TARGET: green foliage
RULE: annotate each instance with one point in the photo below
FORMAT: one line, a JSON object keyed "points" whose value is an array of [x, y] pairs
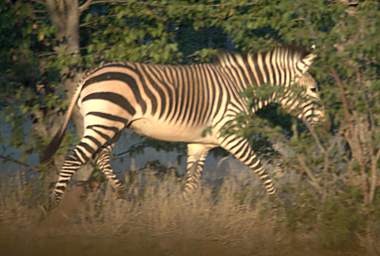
{"points": [[335, 221], [340, 220], [183, 32]]}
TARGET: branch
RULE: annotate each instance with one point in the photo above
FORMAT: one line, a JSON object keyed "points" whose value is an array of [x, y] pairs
{"points": [[349, 2], [315, 136], [10, 159], [313, 180], [56, 16], [155, 4], [346, 106], [373, 185], [85, 6], [39, 2]]}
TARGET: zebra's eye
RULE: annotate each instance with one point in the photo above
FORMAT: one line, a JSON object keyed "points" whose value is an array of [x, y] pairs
{"points": [[314, 89]]}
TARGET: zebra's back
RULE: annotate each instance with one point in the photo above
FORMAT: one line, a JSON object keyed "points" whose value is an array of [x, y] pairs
{"points": [[166, 102]]}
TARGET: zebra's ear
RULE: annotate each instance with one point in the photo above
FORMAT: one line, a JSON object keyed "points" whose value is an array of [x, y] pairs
{"points": [[307, 61]]}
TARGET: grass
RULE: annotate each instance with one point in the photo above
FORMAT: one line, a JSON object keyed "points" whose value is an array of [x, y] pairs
{"points": [[232, 219]]}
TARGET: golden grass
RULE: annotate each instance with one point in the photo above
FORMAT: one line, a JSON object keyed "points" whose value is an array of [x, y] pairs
{"points": [[234, 220]]}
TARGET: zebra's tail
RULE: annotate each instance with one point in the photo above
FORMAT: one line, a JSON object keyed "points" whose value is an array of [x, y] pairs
{"points": [[57, 139]]}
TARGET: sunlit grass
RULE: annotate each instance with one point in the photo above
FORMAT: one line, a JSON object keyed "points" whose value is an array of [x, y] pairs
{"points": [[233, 219]]}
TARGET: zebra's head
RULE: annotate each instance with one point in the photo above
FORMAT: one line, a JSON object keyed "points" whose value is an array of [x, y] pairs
{"points": [[301, 97]]}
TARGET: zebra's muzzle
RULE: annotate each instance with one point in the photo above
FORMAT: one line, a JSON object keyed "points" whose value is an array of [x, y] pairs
{"points": [[316, 117]]}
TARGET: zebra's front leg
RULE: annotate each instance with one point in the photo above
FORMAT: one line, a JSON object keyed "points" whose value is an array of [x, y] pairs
{"points": [[103, 163], [241, 150], [196, 156]]}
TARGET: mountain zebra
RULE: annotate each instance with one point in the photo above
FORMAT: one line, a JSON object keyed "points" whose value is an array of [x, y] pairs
{"points": [[178, 103]]}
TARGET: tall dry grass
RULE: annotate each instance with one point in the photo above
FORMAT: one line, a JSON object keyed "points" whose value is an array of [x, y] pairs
{"points": [[231, 219]]}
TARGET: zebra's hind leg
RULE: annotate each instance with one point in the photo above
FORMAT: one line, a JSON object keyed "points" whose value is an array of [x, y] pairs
{"points": [[76, 158], [103, 163], [196, 156], [91, 142]]}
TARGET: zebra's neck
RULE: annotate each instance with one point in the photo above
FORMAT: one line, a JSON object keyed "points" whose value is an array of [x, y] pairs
{"points": [[272, 71], [276, 67]]}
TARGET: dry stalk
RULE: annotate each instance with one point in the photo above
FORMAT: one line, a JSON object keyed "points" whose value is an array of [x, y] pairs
{"points": [[314, 181]]}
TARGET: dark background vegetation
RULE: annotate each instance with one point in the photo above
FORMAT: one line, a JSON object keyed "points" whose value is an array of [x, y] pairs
{"points": [[328, 177]]}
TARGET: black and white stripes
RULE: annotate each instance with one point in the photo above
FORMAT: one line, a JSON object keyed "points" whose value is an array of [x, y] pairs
{"points": [[179, 102]]}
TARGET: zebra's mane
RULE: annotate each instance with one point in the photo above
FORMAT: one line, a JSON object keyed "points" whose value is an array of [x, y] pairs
{"points": [[91, 71], [104, 65], [226, 58]]}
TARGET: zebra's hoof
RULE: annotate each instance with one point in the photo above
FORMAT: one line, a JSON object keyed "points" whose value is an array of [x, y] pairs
{"points": [[52, 203], [121, 194]]}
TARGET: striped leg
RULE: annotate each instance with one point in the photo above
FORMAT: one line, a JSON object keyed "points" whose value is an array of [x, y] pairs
{"points": [[103, 163], [241, 150], [88, 146], [196, 155], [73, 161]]}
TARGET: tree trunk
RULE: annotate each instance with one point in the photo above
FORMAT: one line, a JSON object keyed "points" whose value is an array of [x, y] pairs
{"points": [[64, 15]]}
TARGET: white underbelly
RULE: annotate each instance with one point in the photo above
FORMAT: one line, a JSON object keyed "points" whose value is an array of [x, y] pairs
{"points": [[168, 132]]}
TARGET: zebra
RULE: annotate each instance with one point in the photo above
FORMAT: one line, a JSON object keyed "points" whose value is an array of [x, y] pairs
{"points": [[178, 103]]}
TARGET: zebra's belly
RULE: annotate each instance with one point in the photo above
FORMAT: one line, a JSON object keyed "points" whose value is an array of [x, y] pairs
{"points": [[161, 130]]}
